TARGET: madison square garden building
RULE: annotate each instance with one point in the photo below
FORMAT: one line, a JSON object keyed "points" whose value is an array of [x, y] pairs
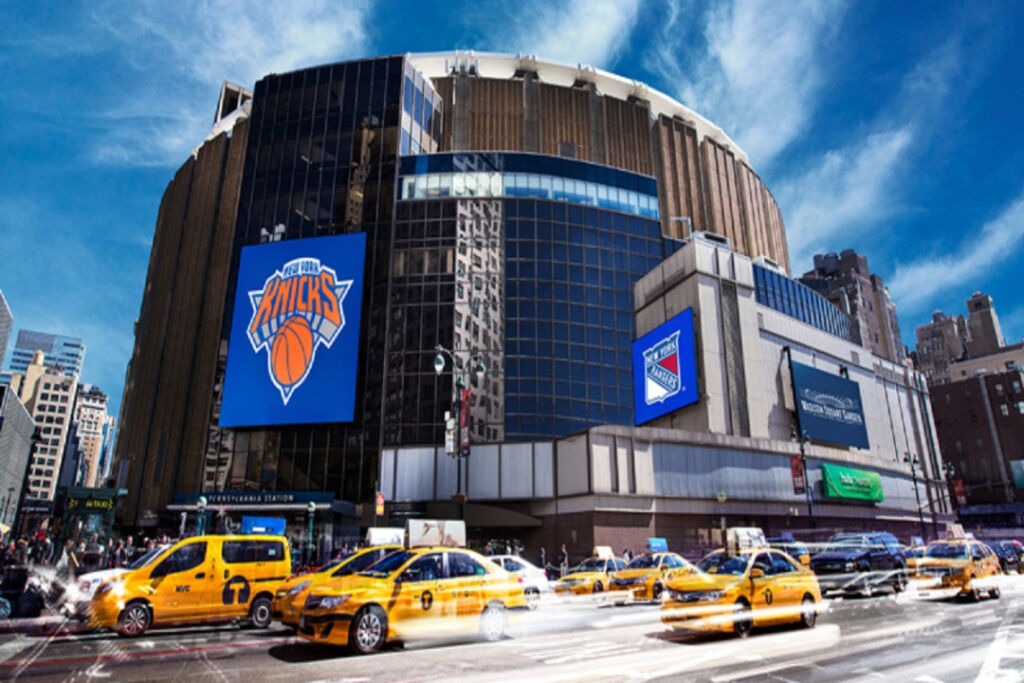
{"points": [[606, 275]]}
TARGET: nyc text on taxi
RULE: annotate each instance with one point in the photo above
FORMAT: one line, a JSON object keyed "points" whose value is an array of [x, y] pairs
{"points": [[197, 580], [737, 589], [292, 594], [422, 592]]}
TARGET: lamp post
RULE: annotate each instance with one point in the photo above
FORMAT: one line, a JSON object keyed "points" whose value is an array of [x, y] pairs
{"points": [[913, 462], [311, 509], [950, 471], [200, 515], [802, 438], [458, 384]]}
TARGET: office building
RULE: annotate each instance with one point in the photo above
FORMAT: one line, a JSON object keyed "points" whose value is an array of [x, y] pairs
{"points": [[49, 396], [6, 321], [62, 353], [980, 423], [16, 430], [337, 228], [950, 348], [845, 280], [90, 434]]}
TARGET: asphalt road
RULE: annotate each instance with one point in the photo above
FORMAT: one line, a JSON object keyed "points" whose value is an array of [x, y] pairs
{"points": [[897, 638]]}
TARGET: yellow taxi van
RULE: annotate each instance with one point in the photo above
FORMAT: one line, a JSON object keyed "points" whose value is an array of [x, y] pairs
{"points": [[433, 588], [743, 585], [197, 580]]}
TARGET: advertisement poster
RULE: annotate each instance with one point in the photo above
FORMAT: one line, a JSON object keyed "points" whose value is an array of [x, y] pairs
{"points": [[664, 369], [829, 407]]}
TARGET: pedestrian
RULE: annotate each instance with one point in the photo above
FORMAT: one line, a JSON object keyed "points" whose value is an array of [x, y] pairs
{"points": [[488, 551], [627, 556], [68, 562], [542, 559], [563, 561]]}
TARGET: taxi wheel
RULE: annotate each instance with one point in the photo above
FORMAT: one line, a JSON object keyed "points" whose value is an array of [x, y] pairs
{"points": [[900, 584], [532, 598], [369, 630], [135, 620], [974, 595], [995, 593], [808, 612], [260, 612], [657, 590], [492, 622], [742, 619], [598, 587]]}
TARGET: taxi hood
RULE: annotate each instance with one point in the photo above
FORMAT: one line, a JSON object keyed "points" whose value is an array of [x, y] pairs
{"points": [[584, 575], [700, 581], [941, 562], [356, 583], [637, 572]]}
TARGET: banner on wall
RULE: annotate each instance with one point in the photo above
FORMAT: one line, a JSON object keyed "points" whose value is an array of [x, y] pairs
{"points": [[664, 369], [851, 484], [829, 407]]}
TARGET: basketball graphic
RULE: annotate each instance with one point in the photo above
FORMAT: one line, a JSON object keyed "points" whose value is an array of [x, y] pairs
{"points": [[298, 309], [292, 351]]}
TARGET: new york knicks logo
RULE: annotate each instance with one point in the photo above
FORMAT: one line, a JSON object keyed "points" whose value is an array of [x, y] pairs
{"points": [[661, 370], [298, 310]]}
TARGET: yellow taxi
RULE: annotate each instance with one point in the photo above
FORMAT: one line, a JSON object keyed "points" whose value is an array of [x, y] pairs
{"points": [[914, 554], [419, 592], [590, 576], [963, 565], [291, 595], [198, 580], [747, 584], [645, 576]]}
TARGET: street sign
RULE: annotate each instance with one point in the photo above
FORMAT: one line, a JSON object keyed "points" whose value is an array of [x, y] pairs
{"points": [[467, 399], [380, 504], [796, 469], [961, 493]]}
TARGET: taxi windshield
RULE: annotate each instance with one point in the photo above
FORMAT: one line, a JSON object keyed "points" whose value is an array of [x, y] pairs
{"points": [[720, 563], [148, 557], [591, 565], [914, 552], [948, 550], [846, 545], [331, 565], [644, 562], [389, 564]]}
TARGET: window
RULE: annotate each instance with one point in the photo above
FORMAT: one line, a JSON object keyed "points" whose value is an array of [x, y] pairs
{"points": [[360, 563], [181, 560], [461, 564], [513, 566], [780, 565], [426, 568]]}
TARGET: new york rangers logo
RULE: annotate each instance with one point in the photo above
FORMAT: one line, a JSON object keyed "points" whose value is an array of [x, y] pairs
{"points": [[298, 309], [661, 370]]}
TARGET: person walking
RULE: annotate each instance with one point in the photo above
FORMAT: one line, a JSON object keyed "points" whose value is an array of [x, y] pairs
{"points": [[563, 561], [68, 562]]}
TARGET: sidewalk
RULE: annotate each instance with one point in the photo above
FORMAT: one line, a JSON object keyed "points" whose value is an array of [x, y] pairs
{"points": [[45, 623]]}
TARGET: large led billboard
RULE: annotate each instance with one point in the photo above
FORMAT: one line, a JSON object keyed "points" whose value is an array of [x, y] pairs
{"points": [[294, 346], [829, 407], [664, 369]]}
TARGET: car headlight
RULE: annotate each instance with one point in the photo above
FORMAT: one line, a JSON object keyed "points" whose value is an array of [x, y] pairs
{"points": [[696, 596], [299, 588], [850, 566], [332, 601]]}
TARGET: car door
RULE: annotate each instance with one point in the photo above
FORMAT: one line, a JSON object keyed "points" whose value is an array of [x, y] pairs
{"points": [[419, 608], [178, 584], [467, 580], [233, 585], [762, 595], [788, 584]]}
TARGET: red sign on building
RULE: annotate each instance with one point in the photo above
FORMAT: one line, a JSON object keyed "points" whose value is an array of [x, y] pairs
{"points": [[380, 504], [961, 493], [796, 468], [467, 399]]}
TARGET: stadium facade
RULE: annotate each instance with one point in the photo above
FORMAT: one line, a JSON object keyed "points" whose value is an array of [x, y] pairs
{"points": [[505, 209]]}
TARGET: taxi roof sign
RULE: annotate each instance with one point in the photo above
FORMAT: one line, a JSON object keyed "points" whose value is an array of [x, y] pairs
{"points": [[450, 533], [657, 545], [744, 537], [385, 535], [603, 552], [955, 532]]}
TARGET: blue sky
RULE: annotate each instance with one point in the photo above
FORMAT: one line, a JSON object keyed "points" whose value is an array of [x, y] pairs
{"points": [[891, 128]]}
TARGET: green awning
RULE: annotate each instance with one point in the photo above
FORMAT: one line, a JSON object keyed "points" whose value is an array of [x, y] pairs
{"points": [[851, 484]]}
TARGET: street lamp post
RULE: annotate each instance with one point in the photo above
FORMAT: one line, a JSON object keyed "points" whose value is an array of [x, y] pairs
{"points": [[950, 471], [917, 494], [200, 515], [458, 384], [807, 480], [311, 509]]}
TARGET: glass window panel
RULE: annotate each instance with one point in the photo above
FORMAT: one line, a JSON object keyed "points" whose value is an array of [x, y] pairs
{"points": [[546, 186], [495, 185]]}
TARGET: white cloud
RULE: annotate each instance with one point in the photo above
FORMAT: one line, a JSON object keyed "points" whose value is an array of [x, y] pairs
{"points": [[177, 54], [915, 284], [760, 70], [591, 32], [847, 189]]}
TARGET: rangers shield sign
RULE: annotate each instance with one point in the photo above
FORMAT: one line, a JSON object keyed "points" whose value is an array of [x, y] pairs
{"points": [[664, 369]]}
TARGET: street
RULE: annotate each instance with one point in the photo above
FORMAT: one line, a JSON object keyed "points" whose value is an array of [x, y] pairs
{"points": [[898, 638]]}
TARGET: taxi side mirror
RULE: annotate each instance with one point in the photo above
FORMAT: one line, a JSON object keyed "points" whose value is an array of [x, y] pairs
{"points": [[665, 567], [756, 573]]}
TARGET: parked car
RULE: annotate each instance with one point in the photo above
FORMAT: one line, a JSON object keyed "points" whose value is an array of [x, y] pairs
{"points": [[1008, 554], [535, 581], [860, 563]]}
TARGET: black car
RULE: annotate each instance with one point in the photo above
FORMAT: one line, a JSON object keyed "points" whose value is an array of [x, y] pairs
{"points": [[1009, 555], [860, 563]]}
